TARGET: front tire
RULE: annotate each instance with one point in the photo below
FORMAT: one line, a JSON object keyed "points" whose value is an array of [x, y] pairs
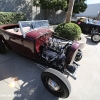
{"points": [[95, 38], [2, 47], [78, 55], [56, 83]]}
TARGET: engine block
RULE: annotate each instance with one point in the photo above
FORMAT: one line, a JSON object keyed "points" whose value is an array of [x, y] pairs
{"points": [[54, 51], [61, 54]]}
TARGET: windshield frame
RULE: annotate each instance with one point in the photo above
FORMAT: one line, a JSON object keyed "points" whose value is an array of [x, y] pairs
{"points": [[32, 25]]}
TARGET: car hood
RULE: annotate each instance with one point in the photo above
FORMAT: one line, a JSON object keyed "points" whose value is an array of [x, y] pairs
{"points": [[36, 33]]}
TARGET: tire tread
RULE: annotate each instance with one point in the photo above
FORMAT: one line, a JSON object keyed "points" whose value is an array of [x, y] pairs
{"points": [[60, 76]]}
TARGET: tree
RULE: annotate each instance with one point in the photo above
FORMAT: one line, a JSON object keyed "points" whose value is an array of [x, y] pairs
{"points": [[75, 6], [37, 4], [53, 5], [69, 11], [79, 6]]}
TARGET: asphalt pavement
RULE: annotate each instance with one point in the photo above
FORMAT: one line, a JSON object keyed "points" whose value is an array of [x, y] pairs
{"points": [[20, 77]]}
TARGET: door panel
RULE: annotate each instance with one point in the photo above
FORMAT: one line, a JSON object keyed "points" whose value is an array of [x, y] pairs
{"points": [[16, 44], [28, 48]]}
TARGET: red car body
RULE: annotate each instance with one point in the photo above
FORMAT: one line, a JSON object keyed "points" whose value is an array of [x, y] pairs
{"points": [[28, 46], [40, 44], [25, 46]]}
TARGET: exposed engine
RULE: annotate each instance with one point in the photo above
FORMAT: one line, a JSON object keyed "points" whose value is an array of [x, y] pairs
{"points": [[61, 55], [55, 50]]}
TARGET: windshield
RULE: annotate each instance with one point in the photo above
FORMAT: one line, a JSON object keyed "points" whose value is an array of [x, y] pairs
{"points": [[27, 26]]}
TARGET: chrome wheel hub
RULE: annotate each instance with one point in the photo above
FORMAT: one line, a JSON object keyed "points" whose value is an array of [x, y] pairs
{"points": [[96, 37], [53, 85]]}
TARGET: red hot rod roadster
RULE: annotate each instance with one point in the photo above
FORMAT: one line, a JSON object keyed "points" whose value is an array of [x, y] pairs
{"points": [[34, 39]]}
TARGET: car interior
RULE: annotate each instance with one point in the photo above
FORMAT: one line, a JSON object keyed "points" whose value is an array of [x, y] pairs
{"points": [[24, 27]]}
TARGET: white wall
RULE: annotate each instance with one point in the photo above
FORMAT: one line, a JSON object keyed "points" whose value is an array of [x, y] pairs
{"points": [[91, 11]]}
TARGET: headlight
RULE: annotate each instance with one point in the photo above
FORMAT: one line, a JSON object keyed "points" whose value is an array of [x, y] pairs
{"points": [[58, 41]]}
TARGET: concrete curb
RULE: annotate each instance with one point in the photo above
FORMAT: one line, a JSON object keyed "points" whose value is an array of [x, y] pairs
{"points": [[82, 41]]}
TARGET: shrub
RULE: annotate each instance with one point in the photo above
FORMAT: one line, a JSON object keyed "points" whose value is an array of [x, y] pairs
{"points": [[11, 17], [69, 31], [0, 23]]}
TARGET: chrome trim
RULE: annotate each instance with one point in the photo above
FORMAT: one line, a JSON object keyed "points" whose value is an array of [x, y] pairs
{"points": [[73, 75], [53, 85]]}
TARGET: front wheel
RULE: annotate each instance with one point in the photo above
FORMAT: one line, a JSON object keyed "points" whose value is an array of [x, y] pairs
{"points": [[56, 83], [95, 38], [78, 55]]}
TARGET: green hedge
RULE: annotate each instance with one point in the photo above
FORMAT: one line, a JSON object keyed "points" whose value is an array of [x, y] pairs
{"points": [[11, 17], [69, 31]]}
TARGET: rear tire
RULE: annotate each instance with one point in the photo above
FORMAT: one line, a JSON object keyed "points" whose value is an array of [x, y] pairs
{"points": [[61, 86], [2, 47], [95, 38]]}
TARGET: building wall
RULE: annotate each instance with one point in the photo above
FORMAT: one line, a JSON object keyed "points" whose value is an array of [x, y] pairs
{"points": [[55, 17], [31, 12], [16, 6], [37, 13], [91, 11]]}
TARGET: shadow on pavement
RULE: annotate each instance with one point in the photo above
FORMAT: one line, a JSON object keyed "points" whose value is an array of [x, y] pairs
{"points": [[33, 91], [26, 74], [89, 42]]}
